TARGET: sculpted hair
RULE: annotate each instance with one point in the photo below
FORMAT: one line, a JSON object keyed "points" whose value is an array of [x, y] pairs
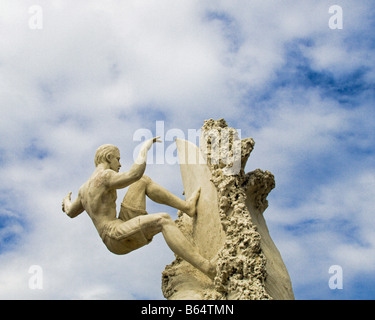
{"points": [[103, 151]]}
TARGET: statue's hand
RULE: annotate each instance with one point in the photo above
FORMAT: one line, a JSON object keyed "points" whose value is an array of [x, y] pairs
{"points": [[156, 139], [66, 201], [150, 142]]}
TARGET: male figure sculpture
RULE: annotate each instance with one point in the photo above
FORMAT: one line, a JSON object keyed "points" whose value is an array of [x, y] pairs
{"points": [[133, 228]]}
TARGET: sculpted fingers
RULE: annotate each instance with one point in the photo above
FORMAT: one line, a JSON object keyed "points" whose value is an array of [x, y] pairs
{"points": [[157, 139], [68, 197]]}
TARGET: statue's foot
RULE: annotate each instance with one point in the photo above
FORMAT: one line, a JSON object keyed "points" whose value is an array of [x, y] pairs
{"points": [[192, 203]]}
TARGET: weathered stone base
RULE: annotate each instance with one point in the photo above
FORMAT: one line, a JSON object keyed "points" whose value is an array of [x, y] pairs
{"points": [[229, 226]]}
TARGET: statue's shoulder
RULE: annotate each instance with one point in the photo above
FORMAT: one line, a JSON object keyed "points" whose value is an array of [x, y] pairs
{"points": [[107, 173], [99, 177]]}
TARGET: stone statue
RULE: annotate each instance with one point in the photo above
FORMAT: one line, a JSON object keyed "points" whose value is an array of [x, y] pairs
{"points": [[221, 241], [134, 227]]}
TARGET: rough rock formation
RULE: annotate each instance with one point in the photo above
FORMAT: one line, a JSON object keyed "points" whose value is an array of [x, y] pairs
{"points": [[229, 227]]}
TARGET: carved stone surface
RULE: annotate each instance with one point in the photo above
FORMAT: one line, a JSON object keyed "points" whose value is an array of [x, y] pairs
{"points": [[229, 226]]}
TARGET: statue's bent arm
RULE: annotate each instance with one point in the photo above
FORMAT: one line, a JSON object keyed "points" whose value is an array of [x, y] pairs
{"points": [[121, 180], [72, 209]]}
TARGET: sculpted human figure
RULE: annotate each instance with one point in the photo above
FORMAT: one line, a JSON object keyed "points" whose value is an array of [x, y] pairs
{"points": [[134, 227]]}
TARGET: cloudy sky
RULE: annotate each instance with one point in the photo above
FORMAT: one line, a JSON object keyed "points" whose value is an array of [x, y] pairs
{"points": [[77, 74]]}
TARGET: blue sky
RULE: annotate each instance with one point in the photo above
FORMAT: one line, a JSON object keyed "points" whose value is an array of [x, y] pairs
{"points": [[99, 71]]}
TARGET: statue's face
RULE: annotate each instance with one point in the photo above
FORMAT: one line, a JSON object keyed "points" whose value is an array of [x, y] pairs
{"points": [[114, 161]]}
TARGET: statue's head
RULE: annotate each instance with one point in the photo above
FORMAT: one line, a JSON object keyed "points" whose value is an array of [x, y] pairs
{"points": [[104, 153]]}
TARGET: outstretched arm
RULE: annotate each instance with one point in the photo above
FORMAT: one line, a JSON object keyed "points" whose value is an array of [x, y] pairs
{"points": [[142, 156], [124, 179], [72, 209]]}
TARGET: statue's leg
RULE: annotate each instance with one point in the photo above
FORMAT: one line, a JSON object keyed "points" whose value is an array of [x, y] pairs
{"points": [[136, 196], [177, 242], [153, 224]]}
